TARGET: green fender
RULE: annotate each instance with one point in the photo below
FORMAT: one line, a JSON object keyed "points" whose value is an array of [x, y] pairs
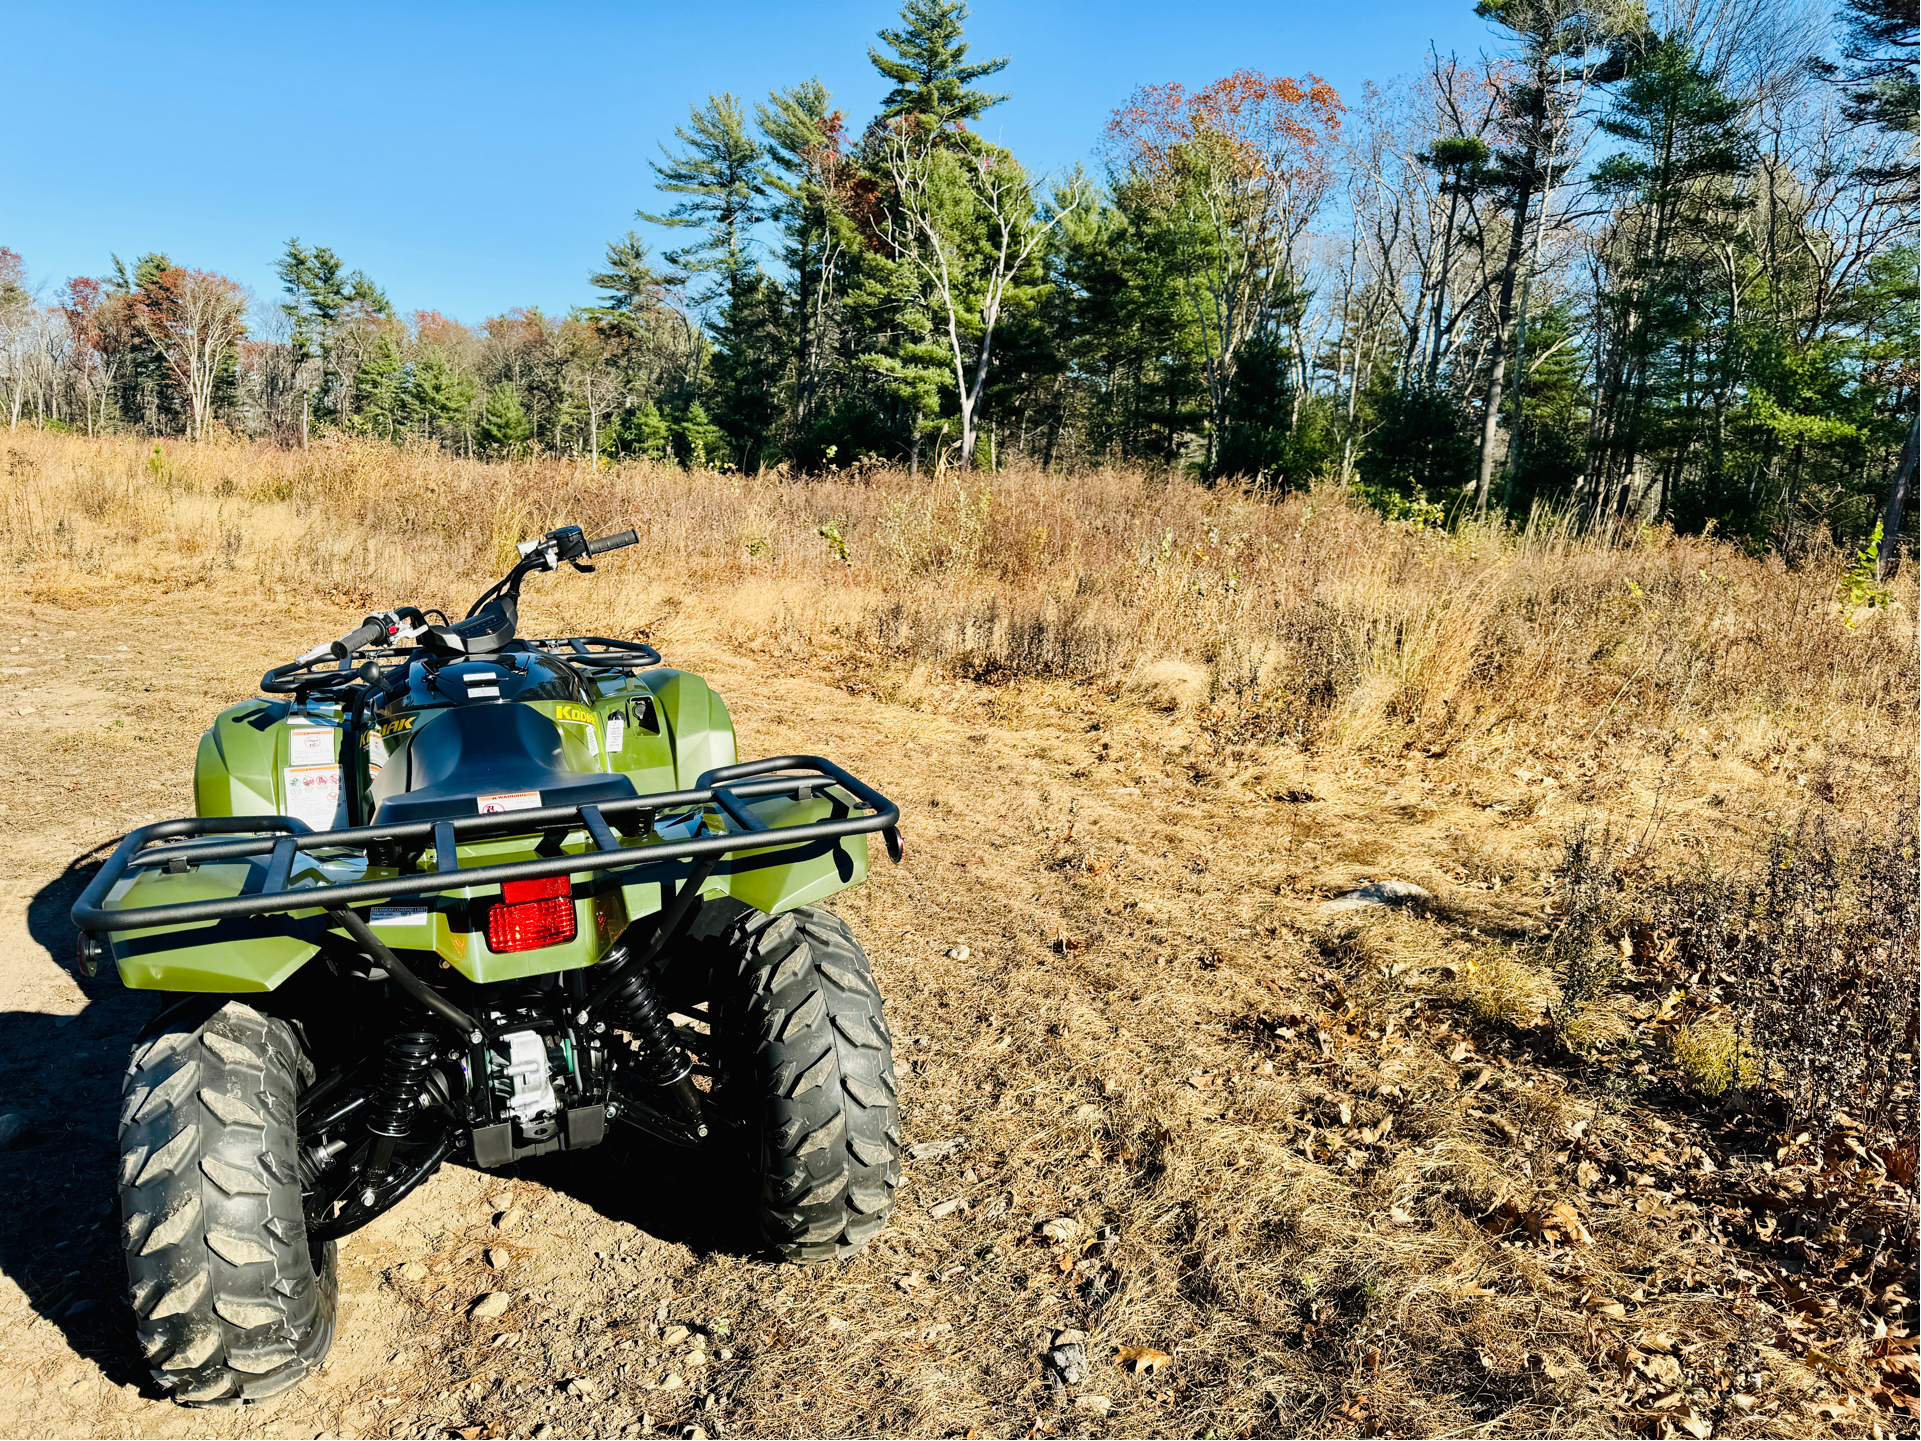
{"points": [[253, 752], [774, 889]]}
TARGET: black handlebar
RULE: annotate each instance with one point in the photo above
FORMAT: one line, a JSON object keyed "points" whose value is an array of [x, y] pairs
{"points": [[612, 542], [375, 629]]}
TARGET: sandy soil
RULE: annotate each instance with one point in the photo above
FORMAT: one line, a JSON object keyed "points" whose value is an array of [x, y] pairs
{"points": [[1091, 906]]}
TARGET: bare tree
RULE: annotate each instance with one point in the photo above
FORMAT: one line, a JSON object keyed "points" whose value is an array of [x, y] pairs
{"points": [[195, 319], [968, 222]]}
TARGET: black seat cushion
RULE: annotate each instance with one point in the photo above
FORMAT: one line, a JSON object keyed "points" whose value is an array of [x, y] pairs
{"points": [[460, 754]]}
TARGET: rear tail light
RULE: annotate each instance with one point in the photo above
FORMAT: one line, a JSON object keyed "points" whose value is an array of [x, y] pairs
{"points": [[531, 914]]}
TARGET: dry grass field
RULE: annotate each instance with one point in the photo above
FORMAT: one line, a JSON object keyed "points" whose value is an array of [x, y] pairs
{"points": [[1609, 1131]]}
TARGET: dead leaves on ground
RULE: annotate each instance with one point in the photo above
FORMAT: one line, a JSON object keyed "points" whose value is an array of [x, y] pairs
{"points": [[1143, 1360]]}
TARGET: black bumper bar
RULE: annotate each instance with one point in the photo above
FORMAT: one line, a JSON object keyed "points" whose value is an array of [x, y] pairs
{"points": [[727, 788]]}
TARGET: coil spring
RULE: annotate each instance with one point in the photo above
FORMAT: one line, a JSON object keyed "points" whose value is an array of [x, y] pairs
{"points": [[661, 1060], [410, 1055]]}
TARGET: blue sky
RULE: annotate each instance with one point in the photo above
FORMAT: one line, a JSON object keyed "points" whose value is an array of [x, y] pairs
{"points": [[476, 157]]}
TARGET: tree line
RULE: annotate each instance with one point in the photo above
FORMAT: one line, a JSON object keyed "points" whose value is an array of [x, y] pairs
{"points": [[1638, 264]]}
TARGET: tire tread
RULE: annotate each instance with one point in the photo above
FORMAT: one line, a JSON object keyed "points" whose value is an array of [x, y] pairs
{"points": [[230, 1303]]}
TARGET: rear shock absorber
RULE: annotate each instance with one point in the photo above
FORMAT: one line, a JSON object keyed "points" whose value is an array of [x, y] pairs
{"points": [[390, 1111], [661, 1060]]}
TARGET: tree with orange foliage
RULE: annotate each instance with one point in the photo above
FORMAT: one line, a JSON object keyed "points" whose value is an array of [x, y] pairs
{"points": [[1227, 178], [195, 319], [104, 328]]}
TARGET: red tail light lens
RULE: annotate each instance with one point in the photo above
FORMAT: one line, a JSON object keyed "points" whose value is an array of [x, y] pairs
{"points": [[531, 914]]}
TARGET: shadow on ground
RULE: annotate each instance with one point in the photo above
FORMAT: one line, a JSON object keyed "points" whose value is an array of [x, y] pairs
{"points": [[697, 1199], [59, 1228], [60, 1076]]}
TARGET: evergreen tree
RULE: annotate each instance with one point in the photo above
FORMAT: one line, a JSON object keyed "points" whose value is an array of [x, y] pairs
{"points": [[504, 429], [383, 401], [1421, 448], [650, 435], [1563, 45], [704, 442], [720, 176], [630, 289], [440, 393], [147, 394], [325, 301], [1878, 77], [1683, 144], [723, 192], [803, 150], [932, 79]]}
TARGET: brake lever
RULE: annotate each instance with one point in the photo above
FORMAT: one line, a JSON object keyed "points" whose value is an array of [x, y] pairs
{"points": [[583, 569]]}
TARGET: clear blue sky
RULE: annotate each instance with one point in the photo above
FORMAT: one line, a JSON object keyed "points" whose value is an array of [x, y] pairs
{"points": [[475, 157]]}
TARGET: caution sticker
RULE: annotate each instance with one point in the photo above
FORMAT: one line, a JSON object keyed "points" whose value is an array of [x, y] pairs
{"points": [[310, 746], [511, 801], [313, 795]]}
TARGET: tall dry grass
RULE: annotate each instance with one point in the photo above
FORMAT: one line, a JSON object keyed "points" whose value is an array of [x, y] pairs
{"points": [[1310, 618]]}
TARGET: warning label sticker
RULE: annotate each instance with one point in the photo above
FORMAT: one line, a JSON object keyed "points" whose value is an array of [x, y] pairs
{"points": [[313, 795], [311, 746], [511, 801]]}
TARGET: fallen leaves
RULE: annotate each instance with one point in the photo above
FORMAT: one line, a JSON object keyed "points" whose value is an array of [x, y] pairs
{"points": [[1143, 1360], [1549, 1223]]}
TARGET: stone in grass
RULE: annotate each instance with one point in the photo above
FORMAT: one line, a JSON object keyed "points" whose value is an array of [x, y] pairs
{"points": [[13, 1126], [499, 1257], [510, 1219], [1067, 1358], [583, 1387], [412, 1271], [501, 1200], [1379, 893], [494, 1303], [1100, 1405]]}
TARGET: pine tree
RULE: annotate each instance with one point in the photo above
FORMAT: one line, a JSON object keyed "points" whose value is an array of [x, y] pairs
{"points": [[440, 395], [504, 429], [1878, 80], [324, 300], [630, 288], [803, 148], [724, 193], [650, 433], [383, 402], [928, 67], [1564, 46], [705, 442], [1683, 143], [719, 174]]}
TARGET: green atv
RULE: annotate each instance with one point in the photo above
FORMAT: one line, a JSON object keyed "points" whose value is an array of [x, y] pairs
{"points": [[465, 886]]}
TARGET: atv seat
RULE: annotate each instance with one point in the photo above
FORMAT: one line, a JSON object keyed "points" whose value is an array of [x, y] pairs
{"points": [[457, 756]]}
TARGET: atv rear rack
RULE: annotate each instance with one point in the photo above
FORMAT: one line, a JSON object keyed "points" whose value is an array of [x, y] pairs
{"points": [[729, 789]]}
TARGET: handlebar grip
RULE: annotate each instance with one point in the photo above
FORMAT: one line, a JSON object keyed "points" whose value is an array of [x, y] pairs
{"points": [[612, 542], [354, 640]]}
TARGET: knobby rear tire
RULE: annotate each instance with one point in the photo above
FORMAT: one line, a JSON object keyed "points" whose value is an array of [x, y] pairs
{"points": [[811, 1079], [230, 1302]]}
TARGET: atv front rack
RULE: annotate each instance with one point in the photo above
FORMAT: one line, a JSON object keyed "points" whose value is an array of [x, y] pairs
{"points": [[609, 825]]}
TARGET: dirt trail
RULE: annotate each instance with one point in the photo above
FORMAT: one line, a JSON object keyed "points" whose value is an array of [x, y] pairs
{"points": [[1084, 917]]}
